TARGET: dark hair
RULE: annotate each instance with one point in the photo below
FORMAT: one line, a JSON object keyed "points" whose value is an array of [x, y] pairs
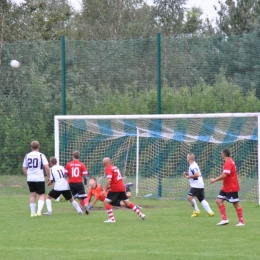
{"points": [[226, 152], [53, 160], [76, 154]]}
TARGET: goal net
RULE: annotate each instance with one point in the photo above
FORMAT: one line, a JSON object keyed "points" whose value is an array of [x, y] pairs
{"points": [[151, 150]]}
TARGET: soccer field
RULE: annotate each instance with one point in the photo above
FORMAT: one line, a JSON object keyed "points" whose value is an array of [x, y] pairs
{"points": [[168, 233]]}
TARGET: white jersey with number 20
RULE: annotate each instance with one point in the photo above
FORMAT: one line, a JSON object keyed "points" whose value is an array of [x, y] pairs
{"points": [[34, 162], [197, 182]]}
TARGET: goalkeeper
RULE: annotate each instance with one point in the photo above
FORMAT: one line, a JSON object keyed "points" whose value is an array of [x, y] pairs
{"points": [[96, 191]]}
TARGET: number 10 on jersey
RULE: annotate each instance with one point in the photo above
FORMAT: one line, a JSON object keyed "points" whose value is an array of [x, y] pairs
{"points": [[75, 171]]}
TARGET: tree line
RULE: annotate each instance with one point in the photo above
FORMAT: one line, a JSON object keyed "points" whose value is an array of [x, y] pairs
{"points": [[36, 20]]}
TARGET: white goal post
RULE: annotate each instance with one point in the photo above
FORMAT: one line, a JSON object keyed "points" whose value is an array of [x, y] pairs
{"points": [[151, 150]]}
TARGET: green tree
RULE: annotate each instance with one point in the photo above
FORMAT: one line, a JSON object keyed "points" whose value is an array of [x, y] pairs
{"points": [[242, 16], [193, 23], [112, 19], [222, 97], [169, 15], [34, 20]]}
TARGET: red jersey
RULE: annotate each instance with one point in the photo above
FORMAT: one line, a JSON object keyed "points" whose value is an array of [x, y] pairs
{"points": [[113, 173], [230, 183], [75, 171], [97, 192]]}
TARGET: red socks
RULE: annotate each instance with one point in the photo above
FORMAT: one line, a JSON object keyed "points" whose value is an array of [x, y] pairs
{"points": [[239, 211], [135, 209], [110, 211], [81, 202], [222, 210], [85, 202], [131, 205], [240, 215]]}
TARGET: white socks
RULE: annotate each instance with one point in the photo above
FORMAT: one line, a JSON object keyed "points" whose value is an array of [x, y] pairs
{"points": [[48, 204], [74, 203], [40, 206], [33, 208], [206, 206], [204, 203], [76, 206], [194, 205]]}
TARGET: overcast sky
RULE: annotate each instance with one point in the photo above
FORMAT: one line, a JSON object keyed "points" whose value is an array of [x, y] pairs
{"points": [[206, 5]]}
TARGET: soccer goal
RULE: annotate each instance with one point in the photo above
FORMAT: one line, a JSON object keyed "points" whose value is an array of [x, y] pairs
{"points": [[151, 150]]}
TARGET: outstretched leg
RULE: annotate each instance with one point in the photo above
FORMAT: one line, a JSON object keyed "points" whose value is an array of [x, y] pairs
{"points": [[132, 206], [206, 206]]}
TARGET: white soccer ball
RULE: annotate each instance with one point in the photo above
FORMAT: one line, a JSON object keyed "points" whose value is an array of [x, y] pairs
{"points": [[15, 64]]}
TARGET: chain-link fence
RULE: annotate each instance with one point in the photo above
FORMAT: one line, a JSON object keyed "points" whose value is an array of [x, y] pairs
{"points": [[199, 75]]}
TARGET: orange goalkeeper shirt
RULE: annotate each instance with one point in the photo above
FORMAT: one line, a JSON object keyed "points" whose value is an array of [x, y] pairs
{"points": [[97, 192]]}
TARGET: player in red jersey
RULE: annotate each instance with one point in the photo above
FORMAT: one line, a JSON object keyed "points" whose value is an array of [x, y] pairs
{"points": [[116, 190], [229, 191], [96, 191], [75, 171]]}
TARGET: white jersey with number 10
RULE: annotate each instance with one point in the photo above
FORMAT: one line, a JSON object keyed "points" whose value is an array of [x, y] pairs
{"points": [[58, 177]]}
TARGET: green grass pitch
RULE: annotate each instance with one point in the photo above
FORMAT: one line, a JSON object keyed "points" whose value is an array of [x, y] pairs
{"points": [[168, 233]]}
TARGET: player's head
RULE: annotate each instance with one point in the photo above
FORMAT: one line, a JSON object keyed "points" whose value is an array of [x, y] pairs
{"points": [[53, 161], [190, 157], [76, 155], [93, 182], [225, 153], [35, 145], [106, 161]]}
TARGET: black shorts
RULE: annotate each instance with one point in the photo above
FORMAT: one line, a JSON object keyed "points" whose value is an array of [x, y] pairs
{"points": [[115, 203], [78, 190], [56, 193], [197, 192], [231, 197], [38, 187], [116, 196]]}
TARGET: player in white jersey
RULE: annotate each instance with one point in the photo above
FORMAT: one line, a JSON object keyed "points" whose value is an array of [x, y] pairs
{"points": [[33, 165], [61, 187], [197, 187]]}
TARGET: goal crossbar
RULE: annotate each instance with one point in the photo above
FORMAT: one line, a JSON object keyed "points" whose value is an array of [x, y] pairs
{"points": [[157, 116]]}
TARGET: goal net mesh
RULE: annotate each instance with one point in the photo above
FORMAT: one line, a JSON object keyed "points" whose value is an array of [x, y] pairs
{"points": [[163, 148]]}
